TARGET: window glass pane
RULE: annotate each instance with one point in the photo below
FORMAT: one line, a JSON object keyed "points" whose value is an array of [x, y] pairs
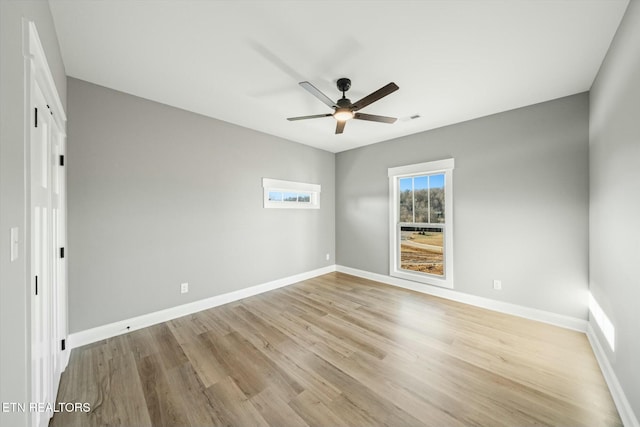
{"points": [[422, 249], [290, 197], [304, 197], [436, 198], [406, 199], [421, 198], [275, 196], [436, 181]]}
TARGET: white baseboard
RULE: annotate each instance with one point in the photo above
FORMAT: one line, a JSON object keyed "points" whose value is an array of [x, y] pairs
{"points": [[617, 393], [563, 321], [89, 336], [99, 333], [78, 339]]}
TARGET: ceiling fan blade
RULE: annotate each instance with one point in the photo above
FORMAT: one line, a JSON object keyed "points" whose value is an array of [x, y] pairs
{"points": [[373, 97], [316, 92], [315, 116], [374, 118], [340, 126]]}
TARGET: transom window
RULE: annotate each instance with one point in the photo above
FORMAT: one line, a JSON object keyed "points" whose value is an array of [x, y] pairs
{"points": [[421, 229], [281, 194], [285, 196]]}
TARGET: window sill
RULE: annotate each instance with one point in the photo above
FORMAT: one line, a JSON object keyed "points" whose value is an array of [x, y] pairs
{"points": [[423, 278]]}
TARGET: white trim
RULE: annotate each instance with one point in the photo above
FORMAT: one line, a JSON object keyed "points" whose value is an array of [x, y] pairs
{"points": [[561, 320], [78, 339], [289, 185], [430, 167], [617, 393], [445, 166]]}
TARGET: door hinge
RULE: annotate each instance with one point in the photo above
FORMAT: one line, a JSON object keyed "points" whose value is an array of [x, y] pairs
{"points": [[63, 344], [61, 160], [61, 252], [36, 285], [36, 117]]}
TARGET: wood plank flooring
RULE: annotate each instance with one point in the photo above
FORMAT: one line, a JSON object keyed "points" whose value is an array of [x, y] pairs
{"points": [[338, 350]]}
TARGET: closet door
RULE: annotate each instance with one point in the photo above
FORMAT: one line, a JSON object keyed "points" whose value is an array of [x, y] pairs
{"points": [[42, 260]]}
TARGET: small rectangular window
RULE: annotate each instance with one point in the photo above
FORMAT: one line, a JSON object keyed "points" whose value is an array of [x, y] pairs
{"points": [[280, 194]]}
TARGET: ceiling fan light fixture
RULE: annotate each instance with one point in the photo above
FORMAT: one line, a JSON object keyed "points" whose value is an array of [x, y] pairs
{"points": [[343, 114]]}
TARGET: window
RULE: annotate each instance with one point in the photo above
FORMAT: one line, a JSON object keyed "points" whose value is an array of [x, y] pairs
{"points": [[288, 194], [421, 222]]}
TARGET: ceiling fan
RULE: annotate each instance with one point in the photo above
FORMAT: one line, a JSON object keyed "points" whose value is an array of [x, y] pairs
{"points": [[343, 108]]}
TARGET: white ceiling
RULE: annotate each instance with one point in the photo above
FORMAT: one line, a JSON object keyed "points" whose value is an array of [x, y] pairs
{"points": [[241, 61]]}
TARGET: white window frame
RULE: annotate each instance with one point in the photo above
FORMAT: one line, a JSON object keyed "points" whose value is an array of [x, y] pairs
{"points": [[277, 185], [446, 167]]}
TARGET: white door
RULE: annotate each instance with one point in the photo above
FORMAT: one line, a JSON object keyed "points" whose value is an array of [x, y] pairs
{"points": [[42, 351], [47, 231], [58, 272]]}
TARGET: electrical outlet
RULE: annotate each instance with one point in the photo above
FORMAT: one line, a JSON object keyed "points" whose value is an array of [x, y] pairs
{"points": [[184, 288], [328, 257], [497, 285]]}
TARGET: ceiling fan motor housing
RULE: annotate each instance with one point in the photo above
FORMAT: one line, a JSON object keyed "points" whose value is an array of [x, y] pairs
{"points": [[344, 103], [343, 84]]}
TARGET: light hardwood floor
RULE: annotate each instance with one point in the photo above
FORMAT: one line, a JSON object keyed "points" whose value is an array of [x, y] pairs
{"points": [[339, 350]]}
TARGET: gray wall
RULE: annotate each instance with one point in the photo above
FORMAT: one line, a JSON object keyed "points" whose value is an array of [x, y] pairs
{"points": [[614, 132], [14, 288], [158, 196], [520, 203]]}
